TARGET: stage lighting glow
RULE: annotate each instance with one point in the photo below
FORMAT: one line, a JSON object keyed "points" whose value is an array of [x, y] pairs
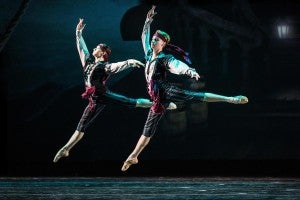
{"points": [[283, 30]]}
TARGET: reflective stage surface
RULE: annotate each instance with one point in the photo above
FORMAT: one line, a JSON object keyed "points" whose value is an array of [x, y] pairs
{"points": [[170, 188]]}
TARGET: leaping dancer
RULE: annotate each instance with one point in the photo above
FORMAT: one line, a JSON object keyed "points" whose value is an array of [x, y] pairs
{"points": [[96, 71], [158, 64]]}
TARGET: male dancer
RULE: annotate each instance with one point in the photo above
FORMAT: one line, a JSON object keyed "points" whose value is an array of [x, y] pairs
{"points": [[160, 90], [96, 72]]}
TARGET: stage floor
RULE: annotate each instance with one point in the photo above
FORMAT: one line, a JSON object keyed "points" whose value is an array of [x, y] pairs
{"points": [[156, 188]]}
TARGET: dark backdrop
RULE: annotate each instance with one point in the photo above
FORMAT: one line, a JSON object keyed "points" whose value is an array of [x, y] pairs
{"points": [[233, 44]]}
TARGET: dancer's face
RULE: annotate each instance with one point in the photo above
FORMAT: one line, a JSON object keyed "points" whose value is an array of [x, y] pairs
{"points": [[157, 44], [97, 52]]}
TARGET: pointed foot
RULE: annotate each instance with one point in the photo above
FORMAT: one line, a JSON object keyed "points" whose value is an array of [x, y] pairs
{"points": [[128, 163], [239, 99], [143, 103], [172, 106], [61, 153]]}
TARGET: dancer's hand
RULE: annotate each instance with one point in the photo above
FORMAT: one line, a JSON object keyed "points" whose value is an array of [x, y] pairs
{"points": [[80, 26], [151, 14], [194, 74], [135, 63]]}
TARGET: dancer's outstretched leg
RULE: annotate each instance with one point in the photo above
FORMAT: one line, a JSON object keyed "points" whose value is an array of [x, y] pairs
{"points": [[64, 151], [133, 157], [210, 97], [145, 103]]}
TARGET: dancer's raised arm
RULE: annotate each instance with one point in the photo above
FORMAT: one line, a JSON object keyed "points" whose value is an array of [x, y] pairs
{"points": [[80, 43], [146, 30]]}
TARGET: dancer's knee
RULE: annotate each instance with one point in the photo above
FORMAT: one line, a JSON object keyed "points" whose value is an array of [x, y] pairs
{"points": [[148, 133]]}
